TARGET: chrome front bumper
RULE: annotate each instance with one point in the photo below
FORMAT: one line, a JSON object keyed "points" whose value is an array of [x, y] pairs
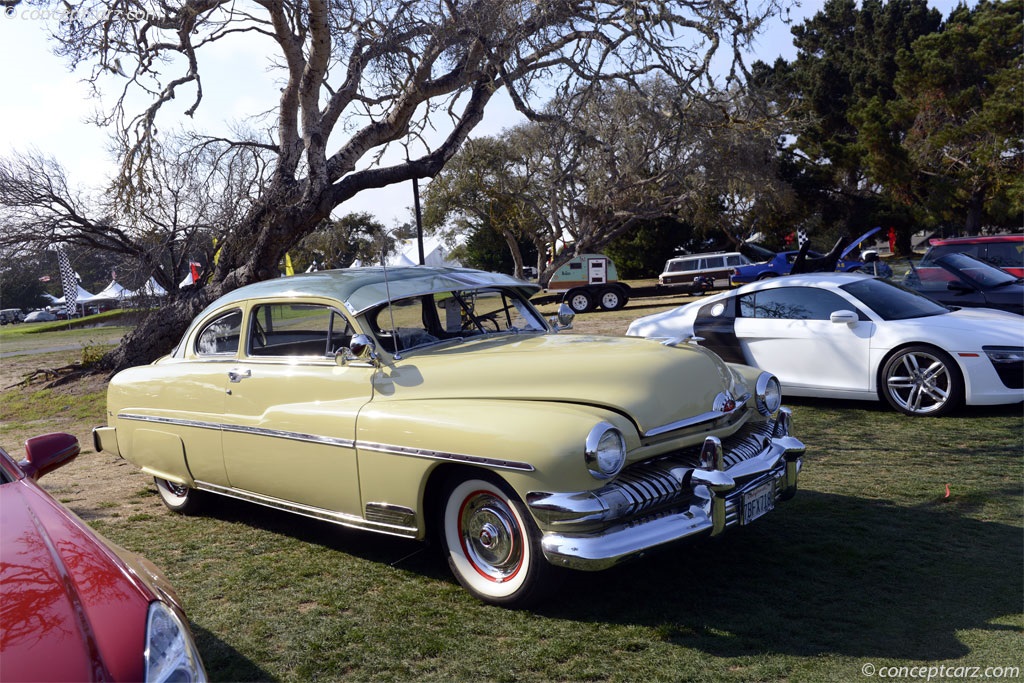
{"points": [[698, 491]]}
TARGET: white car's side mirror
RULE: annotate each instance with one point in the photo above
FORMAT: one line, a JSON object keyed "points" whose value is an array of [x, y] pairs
{"points": [[844, 317]]}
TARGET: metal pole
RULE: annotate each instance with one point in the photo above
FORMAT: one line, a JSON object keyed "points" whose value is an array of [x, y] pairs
{"points": [[419, 218]]}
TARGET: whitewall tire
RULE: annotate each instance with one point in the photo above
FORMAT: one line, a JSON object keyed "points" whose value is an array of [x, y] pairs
{"points": [[179, 498], [492, 543]]}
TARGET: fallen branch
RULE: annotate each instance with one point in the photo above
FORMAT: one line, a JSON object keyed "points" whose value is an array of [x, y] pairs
{"points": [[56, 376]]}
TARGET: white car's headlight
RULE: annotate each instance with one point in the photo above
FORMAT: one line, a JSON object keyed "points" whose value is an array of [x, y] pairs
{"points": [[768, 394], [170, 655], [605, 451]]}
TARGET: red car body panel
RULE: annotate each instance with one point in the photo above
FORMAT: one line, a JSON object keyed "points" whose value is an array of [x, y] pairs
{"points": [[70, 608]]}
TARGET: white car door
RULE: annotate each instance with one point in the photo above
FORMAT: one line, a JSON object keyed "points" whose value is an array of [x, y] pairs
{"points": [[787, 331]]}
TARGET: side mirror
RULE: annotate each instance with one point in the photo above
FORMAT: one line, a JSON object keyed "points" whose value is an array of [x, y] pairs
{"points": [[844, 317], [362, 348], [563, 319], [958, 286], [44, 454]]}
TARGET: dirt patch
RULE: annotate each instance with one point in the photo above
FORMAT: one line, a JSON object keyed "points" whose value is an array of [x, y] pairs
{"points": [[95, 485]]}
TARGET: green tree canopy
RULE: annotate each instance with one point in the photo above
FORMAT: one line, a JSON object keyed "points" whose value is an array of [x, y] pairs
{"points": [[963, 112]]}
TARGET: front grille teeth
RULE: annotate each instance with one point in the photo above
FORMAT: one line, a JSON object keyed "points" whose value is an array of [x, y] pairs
{"points": [[650, 484]]}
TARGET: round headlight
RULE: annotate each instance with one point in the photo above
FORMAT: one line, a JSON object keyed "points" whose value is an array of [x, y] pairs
{"points": [[769, 394], [605, 451]]}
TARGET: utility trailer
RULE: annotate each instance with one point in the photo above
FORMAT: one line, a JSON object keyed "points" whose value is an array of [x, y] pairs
{"points": [[591, 281]]}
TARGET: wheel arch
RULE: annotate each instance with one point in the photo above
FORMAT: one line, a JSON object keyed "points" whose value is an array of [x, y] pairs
{"points": [[432, 504], [876, 375]]}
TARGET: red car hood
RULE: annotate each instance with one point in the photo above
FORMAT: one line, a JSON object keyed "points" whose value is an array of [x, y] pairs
{"points": [[70, 609]]}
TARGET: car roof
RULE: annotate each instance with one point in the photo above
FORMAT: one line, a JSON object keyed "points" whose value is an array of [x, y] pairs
{"points": [[807, 280], [360, 289], [976, 239], [704, 254]]}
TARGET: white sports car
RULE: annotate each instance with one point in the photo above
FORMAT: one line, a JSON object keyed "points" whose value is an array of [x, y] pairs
{"points": [[850, 335]]}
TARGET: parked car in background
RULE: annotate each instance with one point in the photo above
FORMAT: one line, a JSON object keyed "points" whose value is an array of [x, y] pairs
{"points": [[11, 315], [782, 264], [853, 336], [40, 317], [1003, 251], [963, 281], [438, 401], [716, 266], [73, 606]]}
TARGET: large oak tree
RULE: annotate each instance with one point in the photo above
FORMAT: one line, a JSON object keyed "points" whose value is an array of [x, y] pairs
{"points": [[360, 77]]}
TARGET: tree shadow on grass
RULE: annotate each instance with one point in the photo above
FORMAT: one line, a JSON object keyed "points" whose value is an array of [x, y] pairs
{"points": [[823, 575]]}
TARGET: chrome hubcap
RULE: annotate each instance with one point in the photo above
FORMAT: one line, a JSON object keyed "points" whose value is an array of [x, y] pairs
{"points": [[491, 538]]}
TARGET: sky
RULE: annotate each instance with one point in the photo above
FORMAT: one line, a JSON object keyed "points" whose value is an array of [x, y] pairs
{"points": [[45, 106]]}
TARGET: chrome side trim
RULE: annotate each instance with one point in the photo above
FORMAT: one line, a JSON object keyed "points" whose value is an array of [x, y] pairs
{"points": [[198, 424], [332, 516], [441, 455], [333, 441], [255, 431], [704, 418], [395, 515]]}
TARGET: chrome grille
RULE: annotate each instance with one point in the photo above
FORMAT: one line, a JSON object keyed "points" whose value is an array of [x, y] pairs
{"points": [[650, 484]]}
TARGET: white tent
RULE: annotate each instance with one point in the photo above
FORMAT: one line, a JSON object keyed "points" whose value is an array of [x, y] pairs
{"points": [[407, 253], [151, 288], [112, 292], [82, 295]]}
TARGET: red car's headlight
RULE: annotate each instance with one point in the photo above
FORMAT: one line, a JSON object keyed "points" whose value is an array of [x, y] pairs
{"points": [[171, 654]]}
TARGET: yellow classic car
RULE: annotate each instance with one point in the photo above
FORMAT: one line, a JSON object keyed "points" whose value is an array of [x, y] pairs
{"points": [[438, 403]]}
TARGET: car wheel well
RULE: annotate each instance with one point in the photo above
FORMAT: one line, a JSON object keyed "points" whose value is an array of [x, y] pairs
{"points": [[433, 494], [896, 349]]}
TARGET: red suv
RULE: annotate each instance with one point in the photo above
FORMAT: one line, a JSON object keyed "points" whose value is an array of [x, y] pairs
{"points": [[1005, 251]]}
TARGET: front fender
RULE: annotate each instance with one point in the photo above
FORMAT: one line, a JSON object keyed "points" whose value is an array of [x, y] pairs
{"points": [[530, 444]]}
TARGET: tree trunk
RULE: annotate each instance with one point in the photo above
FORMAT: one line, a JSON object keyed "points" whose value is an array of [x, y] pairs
{"points": [[975, 208], [158, 332], [248, 255]]}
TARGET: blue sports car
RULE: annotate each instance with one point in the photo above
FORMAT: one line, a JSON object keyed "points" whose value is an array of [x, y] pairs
{"points": [[781, 264]]}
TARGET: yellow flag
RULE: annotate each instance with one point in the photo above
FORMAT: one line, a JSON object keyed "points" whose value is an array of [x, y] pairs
{"points": [[288, 270]]}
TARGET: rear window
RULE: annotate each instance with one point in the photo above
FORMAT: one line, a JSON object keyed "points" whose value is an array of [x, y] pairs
{"points": [[682, 266]]}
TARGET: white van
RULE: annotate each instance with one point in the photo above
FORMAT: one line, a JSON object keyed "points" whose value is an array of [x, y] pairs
{"points": [[718, 266]]}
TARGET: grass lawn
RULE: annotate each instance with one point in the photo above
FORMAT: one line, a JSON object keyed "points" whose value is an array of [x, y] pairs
{"points": [[872, 564]]}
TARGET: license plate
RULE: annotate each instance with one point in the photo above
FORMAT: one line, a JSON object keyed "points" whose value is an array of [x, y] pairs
{"points": [[758, 502]]}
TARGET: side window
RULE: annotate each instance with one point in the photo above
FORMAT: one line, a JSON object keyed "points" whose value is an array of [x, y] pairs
{"points": [[288, 330], [220, 337], [792, 303], [1006, 254], [732, 260], [408, 320], [715, 262]]}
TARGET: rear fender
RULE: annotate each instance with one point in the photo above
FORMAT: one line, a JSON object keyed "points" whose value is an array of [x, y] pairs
{"points": [[161, 454]]}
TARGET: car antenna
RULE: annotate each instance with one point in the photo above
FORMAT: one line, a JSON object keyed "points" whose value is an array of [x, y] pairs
{"points": [[391, 308]]}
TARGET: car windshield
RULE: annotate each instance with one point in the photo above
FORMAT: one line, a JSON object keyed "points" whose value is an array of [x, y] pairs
{"points": [[457, 315], [891, 301], [975, 271]]}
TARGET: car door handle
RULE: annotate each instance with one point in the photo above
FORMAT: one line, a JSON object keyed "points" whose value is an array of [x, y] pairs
{"points": [[238, 376]]}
